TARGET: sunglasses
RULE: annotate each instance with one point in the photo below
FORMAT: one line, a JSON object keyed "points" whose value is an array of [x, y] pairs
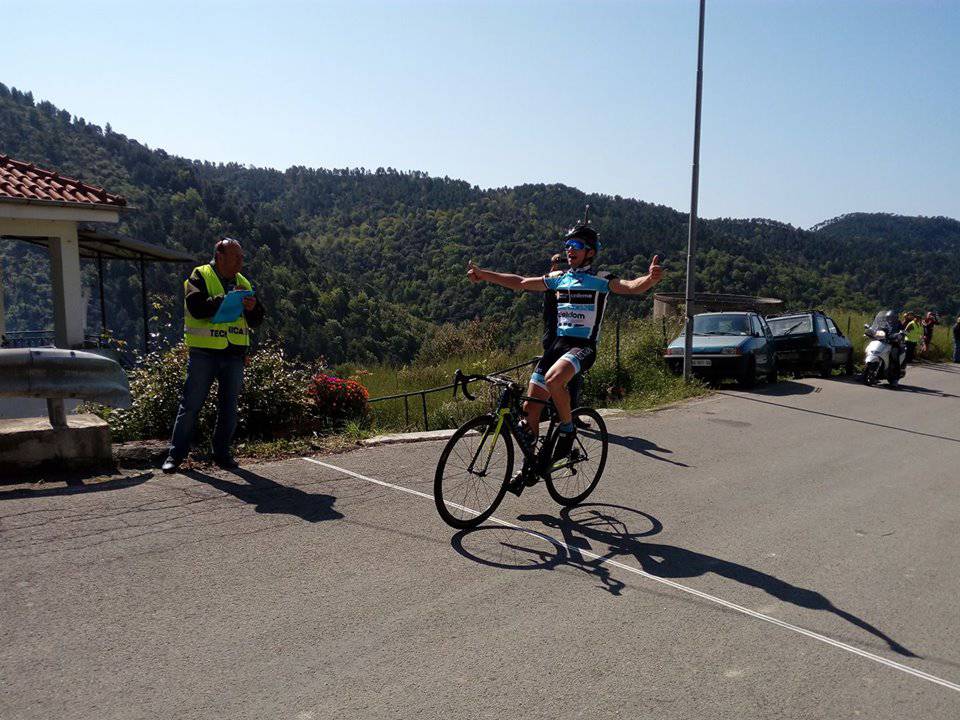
{"points": [[575, 244]]}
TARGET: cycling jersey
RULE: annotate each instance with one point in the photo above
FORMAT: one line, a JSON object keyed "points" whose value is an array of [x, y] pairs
{"points": [[581, 298]]}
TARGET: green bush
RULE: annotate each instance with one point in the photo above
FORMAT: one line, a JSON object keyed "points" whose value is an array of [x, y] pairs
{"points": [[273, 402]]}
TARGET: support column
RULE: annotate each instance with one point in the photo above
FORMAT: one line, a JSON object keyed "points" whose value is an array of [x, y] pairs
{"points": [[67, 291], [3, 316], [103, 302]]}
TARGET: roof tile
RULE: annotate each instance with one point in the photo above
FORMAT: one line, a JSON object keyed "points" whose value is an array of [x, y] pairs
{"points": [[24, 181]]}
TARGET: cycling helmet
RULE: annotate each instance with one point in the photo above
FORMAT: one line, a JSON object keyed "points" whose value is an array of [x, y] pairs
{"points": [[586, 234]]}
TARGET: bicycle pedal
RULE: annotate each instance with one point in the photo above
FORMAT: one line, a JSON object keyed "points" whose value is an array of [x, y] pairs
{"points": [[516, 485]]}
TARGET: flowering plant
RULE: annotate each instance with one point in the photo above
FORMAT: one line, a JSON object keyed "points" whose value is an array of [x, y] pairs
{"points": [[336, 398]]}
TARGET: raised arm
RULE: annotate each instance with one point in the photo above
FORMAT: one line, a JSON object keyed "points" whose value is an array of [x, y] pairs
{"points": [[640, 284], [511, 282]]}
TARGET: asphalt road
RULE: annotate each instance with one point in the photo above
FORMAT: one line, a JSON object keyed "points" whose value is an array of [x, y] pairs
{"points": [[785, 553]]}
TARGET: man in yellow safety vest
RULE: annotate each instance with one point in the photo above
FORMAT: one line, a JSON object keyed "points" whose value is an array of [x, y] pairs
{"points": [[218, 343]]}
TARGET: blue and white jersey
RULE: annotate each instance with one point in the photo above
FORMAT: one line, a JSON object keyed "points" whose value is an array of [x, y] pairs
{"points": [[581, 297]]}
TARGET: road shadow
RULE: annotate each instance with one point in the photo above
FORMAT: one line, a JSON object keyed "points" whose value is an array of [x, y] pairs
{"points": [[74, 485], [644, 447], [619, 533], [937, 367], [902, 387], [843, 417], [270, 497], [784, 388]]}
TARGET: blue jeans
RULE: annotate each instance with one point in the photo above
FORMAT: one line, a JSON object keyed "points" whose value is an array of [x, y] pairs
{"points": [[202, 369], [956, 353]]}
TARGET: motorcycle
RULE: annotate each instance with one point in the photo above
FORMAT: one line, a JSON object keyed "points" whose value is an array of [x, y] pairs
{"points": [[884, 356]]}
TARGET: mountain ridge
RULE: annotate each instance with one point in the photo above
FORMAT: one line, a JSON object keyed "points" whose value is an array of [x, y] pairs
{"points": [[363, 265]]}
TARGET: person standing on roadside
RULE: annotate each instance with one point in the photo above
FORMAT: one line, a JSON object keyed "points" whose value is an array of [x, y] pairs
{"points": [[927, 342], [550, 305], [956, 340], [218, 347], [912, 333]]}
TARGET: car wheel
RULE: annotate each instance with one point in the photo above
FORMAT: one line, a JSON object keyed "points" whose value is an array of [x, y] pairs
{"points": [[826, 365], [748, 373]]}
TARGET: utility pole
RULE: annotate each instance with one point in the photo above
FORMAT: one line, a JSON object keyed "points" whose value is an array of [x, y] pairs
{"points": [[694, 193]]}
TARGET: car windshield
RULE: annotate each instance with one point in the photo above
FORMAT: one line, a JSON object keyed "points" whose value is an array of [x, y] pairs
{"points": [[720, 325], [796, 325]]}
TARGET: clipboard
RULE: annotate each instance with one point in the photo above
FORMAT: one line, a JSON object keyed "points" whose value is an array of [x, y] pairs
{"points": [[232, 306]]}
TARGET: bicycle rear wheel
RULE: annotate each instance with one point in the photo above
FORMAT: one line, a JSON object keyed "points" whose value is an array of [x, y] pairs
{"points": [[473, 472], [571, 479]]}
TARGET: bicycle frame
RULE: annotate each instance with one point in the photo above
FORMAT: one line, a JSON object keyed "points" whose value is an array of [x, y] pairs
{"points": [[505, 415]]}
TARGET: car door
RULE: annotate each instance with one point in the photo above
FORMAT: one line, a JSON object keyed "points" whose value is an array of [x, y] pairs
{"points": [[768, 338], [761, 348], [841, 346], [823, 335]]}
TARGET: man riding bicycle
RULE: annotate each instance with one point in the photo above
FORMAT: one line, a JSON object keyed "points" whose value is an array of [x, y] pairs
{"points": [[581, 294]]}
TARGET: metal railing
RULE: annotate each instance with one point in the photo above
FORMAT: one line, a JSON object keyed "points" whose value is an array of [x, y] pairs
{"points": [[423, 394], [44, 338]]}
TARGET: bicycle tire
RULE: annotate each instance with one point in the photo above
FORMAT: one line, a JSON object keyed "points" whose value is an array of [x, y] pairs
{"points": [[563, 481], [457, 505]]}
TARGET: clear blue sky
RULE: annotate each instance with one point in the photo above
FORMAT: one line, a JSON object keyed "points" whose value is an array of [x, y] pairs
{"points": [[811, 108]]}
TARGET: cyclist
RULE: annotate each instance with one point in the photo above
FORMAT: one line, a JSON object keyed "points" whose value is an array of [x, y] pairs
{"points": [[581, 294]]}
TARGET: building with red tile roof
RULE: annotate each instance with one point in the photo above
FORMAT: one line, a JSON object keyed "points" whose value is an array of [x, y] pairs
{"points": [[68, 217], [26, 183]]}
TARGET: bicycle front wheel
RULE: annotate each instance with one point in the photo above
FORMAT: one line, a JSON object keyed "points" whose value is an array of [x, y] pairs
{"points": [[571, 479], [473, 472]]}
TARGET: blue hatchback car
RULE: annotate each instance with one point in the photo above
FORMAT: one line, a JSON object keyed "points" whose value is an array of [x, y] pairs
{"points": [[735, 345]]}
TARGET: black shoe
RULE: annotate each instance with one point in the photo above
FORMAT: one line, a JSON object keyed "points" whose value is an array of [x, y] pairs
{"points": [[563, 445], [170, 465], [225, 461], [516, 484]]}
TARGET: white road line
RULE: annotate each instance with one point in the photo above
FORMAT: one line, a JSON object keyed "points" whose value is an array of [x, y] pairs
{"points": [[663, 581]]}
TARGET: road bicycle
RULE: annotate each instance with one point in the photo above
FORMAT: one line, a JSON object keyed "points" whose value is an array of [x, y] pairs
{"points": [[475, 469]]}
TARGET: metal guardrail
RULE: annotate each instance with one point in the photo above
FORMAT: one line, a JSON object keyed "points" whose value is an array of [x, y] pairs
{"points": [[423, 394], [55, 374]]}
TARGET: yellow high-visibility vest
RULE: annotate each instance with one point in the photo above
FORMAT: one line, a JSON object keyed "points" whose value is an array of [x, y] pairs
{"points": [[199, 333], [913, 331]]}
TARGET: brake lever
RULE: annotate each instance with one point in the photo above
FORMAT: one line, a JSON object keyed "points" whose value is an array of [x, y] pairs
{"points": [[457, 378], [466, 392]]}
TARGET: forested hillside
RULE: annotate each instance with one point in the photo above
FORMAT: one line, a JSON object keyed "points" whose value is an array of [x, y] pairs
{"points": [[359, 264]]}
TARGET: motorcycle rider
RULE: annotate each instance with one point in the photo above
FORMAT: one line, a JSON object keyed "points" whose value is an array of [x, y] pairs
{"points": [[889, 322]]}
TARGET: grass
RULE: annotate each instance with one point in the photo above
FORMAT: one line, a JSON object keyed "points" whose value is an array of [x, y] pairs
{"points": [[642, 376]]}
